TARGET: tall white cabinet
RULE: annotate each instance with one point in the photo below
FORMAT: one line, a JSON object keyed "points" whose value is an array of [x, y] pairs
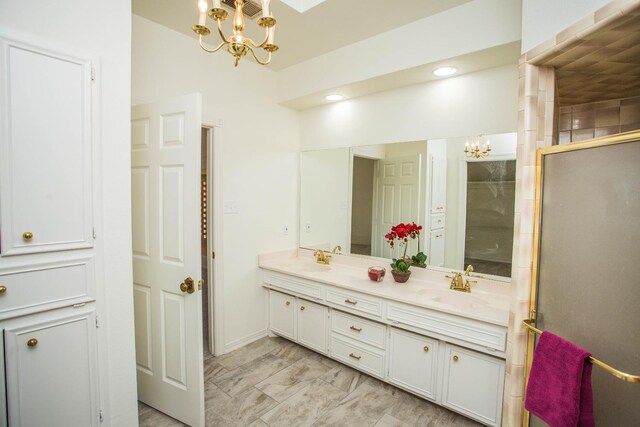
{"points": [[48, 253]]}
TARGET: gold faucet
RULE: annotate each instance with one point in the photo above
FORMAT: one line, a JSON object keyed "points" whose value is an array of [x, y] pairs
{"points": [[460, 284], [322, 257], [337, 250]]}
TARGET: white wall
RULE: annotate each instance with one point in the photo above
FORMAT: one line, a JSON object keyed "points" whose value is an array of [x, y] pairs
{"points": [[543, 19], [100, 29], [484, 102], [259, 149]]}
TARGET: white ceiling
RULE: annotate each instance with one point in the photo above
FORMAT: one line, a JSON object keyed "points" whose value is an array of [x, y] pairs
{"points": [[330, 25]]}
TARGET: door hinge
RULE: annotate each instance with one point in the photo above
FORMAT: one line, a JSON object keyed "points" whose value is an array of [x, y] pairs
{"points": [[93, 74], [97, 321], [213, 255], [101, 416], [94, 232]]}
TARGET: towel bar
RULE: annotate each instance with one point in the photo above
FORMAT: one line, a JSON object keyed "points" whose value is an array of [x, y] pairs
{"points": [[528, 323]]}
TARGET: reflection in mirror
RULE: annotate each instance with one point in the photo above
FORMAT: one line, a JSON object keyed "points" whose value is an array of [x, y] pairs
{"points": [[352, 196]]}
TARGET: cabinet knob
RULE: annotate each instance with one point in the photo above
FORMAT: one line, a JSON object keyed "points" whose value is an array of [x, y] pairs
{"points": [[350, 301], [426, 348], [302, 308], [355, 328], [455, 358], [27, 235], [32, 342], [353, 356], [288, 303], [3, 289]]}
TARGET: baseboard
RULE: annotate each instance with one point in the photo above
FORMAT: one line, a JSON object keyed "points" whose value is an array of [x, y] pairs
{"points": [[234, 345]]}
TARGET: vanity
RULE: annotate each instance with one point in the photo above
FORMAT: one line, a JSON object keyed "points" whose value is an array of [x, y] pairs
{"points": [[445, 346]]}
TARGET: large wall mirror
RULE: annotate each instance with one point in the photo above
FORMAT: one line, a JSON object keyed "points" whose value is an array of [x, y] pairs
{"points": [[350, 197]]}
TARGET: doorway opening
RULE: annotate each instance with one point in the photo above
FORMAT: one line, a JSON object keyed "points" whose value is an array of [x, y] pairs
{"points": [[362, 196], [490, 214], [205, 241]]}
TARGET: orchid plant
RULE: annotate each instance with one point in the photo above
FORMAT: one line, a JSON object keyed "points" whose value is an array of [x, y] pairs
{"points": [[402, 233]]}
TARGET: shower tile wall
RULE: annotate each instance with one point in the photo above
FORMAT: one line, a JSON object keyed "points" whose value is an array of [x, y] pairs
{"points": [[597, 119]]}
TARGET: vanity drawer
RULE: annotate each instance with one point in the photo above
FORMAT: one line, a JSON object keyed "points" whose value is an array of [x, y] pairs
{"points": [[356, 302], [294, 284], [487, 335], [51, 286], [360, 356], [437, 221], [358, 328]]}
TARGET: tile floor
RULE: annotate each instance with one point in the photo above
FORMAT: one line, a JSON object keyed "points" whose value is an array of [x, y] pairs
{"points": [[274, 382]]}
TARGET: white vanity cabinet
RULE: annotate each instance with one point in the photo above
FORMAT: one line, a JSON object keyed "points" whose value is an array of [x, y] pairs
{"points": [[48, 259], [299, 320], [473, 384], [413, 362]]}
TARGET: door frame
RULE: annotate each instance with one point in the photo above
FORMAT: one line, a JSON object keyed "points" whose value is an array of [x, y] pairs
{"points": [[215, 220]]}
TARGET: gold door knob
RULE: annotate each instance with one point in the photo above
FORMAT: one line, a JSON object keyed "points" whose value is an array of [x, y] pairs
{"points": [[426, 348], [3, 289], [455, 358], [288, 303], [188, 285], [32, 342], [27, 235], [302, 308]]}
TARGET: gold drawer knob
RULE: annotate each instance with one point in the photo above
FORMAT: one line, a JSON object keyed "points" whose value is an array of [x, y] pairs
{"points": [[288, 303], [27, 235], [32, 342], [426, 348], [353, 356], [302, 308], [355, 328], [455, 358], [3, 289], [350, 301]]}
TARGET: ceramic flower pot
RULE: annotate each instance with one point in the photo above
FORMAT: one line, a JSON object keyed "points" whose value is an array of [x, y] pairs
{"points": [[400, 277]]}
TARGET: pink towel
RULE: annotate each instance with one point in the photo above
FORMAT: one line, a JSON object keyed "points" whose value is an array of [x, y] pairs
{"points": [[559, 388]]}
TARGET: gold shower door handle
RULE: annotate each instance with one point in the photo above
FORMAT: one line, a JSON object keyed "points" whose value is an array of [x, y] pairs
{"points": [[188, 285]]}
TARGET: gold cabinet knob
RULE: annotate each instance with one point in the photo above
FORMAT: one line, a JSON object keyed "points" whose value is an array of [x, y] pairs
{"points": [[350, 301], [353, 356], [426, 348], [302, 308], [27, 235], [3, 289], [32, 342], [288, 303], [355, 328], [455, 358]]}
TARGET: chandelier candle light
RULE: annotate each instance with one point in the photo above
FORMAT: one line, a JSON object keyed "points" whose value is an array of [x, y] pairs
{"points": [[237, 44], [473, 149]]}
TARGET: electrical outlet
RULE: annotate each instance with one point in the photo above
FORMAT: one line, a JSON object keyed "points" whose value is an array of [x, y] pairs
{"points": [[285, 230]]}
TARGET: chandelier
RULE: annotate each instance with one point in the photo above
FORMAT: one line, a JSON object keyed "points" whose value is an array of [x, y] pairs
{"points": [[472, 149], [237, 44]]}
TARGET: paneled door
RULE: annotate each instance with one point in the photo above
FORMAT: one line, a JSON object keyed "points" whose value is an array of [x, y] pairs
{"points": [[398, 201], [165, 179]]}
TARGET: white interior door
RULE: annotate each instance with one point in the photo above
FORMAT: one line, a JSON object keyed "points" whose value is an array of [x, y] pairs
{"points": [[165, 179], [398, 201]]}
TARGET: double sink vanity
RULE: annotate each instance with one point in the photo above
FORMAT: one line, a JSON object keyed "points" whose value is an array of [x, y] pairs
{"points": [[445, 346]]}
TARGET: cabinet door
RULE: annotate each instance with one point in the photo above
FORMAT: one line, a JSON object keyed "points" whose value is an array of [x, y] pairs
{"points": [[436, 248], [282, 314], [313, 326], [438, 185], [413, 362], [45, 150], [473, 384], [51, 371]]}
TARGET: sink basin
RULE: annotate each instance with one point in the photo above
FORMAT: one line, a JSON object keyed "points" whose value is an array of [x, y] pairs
{"points": [[309, 267]]}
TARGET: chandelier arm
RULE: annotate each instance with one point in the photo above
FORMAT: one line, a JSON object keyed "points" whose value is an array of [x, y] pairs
{"points": [[257, 59], [222, 36], [217, 48], [258, 45]]}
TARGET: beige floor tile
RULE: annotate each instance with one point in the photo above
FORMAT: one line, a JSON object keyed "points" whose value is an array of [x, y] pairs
{"points": [[414, 410], [149, 417], [304, 407], [344, 378], [290, 380], [250, 352], [213, 369], [241, 410], [236, 381], [291, 352], [389, 421]]}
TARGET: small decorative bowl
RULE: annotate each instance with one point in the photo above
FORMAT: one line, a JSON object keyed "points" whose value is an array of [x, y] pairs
{"points": [[376, 274]]}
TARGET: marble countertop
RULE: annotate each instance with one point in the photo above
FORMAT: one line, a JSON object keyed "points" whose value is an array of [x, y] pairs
{"points": [[487, 302]]}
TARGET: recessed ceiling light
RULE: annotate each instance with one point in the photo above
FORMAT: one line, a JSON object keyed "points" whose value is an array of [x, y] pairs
{"points": [[445, 71], [334, 97]]}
